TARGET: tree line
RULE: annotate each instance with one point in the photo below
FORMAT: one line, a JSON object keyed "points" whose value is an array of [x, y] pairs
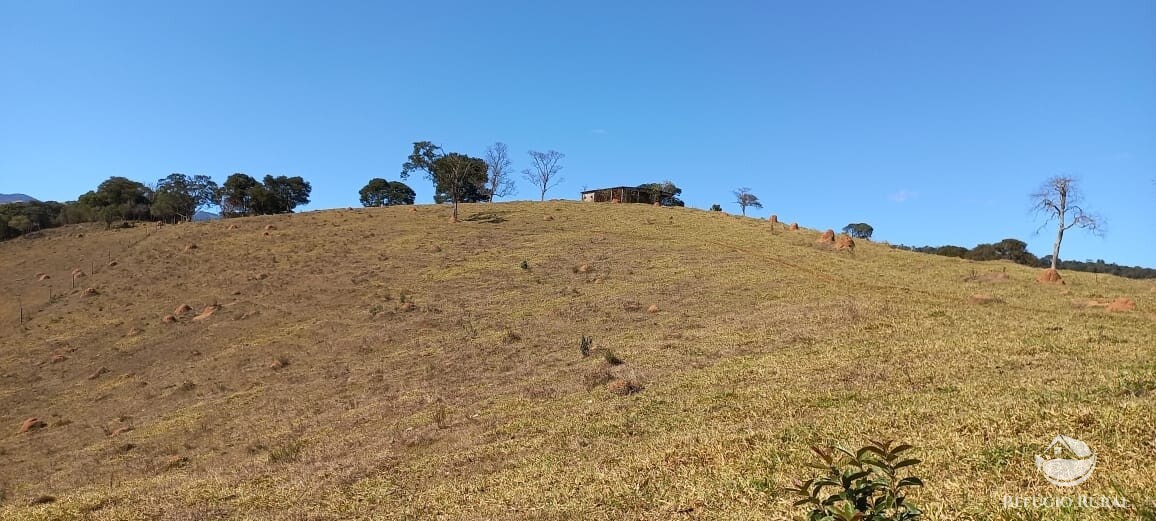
{"points": [[177, 197], [1016, 251]]}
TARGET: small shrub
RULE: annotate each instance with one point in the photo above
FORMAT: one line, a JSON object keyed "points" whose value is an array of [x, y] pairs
{"points": [[865, 484], [525, 265], [286, 452], [715, 208], [584, 345], [441, 416], [510, 336]]}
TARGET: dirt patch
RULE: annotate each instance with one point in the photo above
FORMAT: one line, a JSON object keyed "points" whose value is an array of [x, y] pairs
{"points": [[623, 387], [987, 277], [31, 424], [1050, 276], [207, 312], [1122, 304], [984, 299], [844, 242]]}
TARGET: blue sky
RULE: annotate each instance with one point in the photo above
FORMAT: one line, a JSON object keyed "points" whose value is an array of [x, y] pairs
{"points": [[932, 121]]}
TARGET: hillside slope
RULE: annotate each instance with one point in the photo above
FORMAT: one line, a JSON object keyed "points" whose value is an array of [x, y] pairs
{"points": [[384, 363]]}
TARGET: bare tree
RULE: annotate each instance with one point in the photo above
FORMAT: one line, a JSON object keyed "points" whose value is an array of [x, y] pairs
{"points": [[544, 175], [500, 183], [744, 198], [1058, 199]]}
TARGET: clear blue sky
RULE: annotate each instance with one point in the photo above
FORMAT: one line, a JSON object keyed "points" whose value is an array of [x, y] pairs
{"points": [[932, 121]]}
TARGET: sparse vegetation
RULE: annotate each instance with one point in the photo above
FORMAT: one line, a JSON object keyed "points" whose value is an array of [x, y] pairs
{"points": [[763, 347]]}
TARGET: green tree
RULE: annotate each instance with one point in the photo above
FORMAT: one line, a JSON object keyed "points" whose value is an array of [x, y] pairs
{"points": [[859, 230], [181, 196], [118, 198], [666, 193], [456, 177], [379, 192], [235, 196], [20, 223], [744, 198], [283, 194], [1059, 199]]}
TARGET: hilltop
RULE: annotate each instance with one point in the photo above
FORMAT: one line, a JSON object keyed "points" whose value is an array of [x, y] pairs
{"points": [[386, 363], [15, 198]]}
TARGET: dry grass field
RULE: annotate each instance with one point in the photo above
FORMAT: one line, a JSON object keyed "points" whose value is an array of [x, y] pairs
{"points": [[386, 364]]}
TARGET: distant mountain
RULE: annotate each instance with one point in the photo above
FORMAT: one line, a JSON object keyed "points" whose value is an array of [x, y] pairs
{"points": [[205, 216], [15, 198]]}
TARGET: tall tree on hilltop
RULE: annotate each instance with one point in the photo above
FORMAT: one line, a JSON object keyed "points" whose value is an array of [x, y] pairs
{"points": [[181, 196], [1059, 199], [456, 177], [379, 192], [498, 160], [744, 198], [544, 174]]}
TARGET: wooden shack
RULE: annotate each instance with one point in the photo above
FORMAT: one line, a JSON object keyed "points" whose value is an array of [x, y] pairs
{"points": [[625, 194]]}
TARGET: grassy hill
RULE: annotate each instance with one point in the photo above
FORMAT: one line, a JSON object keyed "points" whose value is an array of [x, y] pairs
{"points": [[384, 363]]}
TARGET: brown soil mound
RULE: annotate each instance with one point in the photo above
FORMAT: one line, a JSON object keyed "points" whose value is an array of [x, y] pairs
{"points": [[111, 263], [207, 312], [78, 273], [120, 430], [57, 358], [412, 209], [269, 227], [32, 424], [182, 309], [615, 200], [98, 373], [89, 292], [828, 237], [454, 220], [794, 227], [1050, 276], [656, 203], [232, 227], [43, 276], [622, 387], [1122, 304], [652, 309], [548, 218], [774, 219], [408, 306], [190, 247], [169, 319], [845, 243], [585, 268], [980, 298]]}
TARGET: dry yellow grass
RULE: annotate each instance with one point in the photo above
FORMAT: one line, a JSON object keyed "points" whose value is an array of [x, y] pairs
{"points": [[431, 370]]}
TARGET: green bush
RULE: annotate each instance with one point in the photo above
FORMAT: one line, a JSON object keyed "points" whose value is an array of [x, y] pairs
{"points": [[863, 485]]}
